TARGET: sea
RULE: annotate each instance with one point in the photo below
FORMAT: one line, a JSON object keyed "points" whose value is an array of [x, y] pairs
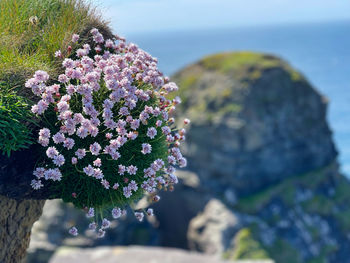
{"points": [[321, 51]]}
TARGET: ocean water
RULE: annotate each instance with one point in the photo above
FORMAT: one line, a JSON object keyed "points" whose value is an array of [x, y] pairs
{"points": [[320, 51]]}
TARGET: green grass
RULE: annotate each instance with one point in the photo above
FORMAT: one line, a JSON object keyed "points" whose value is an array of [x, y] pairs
{"points": [[29, 46], [241, 63], [30, 33], [15, 118], [247, 247]]}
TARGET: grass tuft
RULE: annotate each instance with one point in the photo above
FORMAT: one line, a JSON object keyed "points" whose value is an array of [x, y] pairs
{"points": [[30, 33]]}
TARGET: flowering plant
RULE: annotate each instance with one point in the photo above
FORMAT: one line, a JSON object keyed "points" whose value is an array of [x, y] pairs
{"points": [[109, 137]]}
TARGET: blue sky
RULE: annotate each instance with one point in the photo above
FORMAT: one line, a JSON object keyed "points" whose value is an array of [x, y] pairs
{"points": [[131, 16]]}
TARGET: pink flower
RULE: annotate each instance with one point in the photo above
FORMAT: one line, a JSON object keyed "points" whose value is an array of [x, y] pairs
{"points": [[58, 160], [95, 148], [97, 162], [90, 213], [73, 231], [68, 63], [105, 183], [158, 123], [135, 124], [121, 169], [146, 148], [105, 224], [36, 184], [99, 175], [166, 130], [53, 174], [116, 213], [63, 78], [75, 38], [51, 152], [92, 226], [62, 106], [182, 162], [109, 43], [58, 138], [132, 169], [68, 143], [39, 172], [88, 170], [74, 160], [41, 76], [58, 54], [80, 153], [127, 192], [151, 132], [150, 211], [45, 133], [133, 186], [139, 216], [101, 233]]}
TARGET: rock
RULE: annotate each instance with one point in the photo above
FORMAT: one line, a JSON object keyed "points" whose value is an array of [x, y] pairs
{"points": [[51, 232], [211, 231], [16, 220], [135, 254], [260, 143], [176, 209], [255, 121], [280, 222]]}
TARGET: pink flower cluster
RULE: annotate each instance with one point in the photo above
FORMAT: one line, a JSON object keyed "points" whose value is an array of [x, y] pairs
{"points": [[128, 77]]}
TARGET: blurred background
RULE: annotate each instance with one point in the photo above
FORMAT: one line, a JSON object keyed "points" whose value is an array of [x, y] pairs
{"points": [[313, 36], [269, 161]]}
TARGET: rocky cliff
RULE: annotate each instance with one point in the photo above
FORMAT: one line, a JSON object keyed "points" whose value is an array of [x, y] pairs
{"points": [[263, 179], [261, 121], [260, 143]]}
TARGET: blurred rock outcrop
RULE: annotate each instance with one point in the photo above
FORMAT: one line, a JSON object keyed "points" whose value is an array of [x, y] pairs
{"points": [[255, 121], [136, 254], [263, 180]]}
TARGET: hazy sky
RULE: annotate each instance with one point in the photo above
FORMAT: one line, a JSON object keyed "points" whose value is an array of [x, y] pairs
{"points": [[129, 16]]}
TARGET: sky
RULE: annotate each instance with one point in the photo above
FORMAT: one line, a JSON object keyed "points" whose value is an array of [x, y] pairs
{"points": [[135, 16]]}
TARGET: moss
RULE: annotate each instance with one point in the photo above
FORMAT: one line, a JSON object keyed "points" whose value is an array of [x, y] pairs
{"points": [[286, 191], [247, 247], [229, 108], [247, 65], [323, 257], [319, 204], [226, 62], [188, 82], [295, 76], [282, 251]]}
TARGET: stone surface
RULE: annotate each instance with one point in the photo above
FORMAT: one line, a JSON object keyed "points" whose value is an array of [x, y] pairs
{"points": [[212, 231], [255, 121], [16, 220], [136, 255]]}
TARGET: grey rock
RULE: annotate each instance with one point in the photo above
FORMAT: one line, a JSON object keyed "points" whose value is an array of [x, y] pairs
{"points": [[136, 254], [250, 131], [212, 231]]}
